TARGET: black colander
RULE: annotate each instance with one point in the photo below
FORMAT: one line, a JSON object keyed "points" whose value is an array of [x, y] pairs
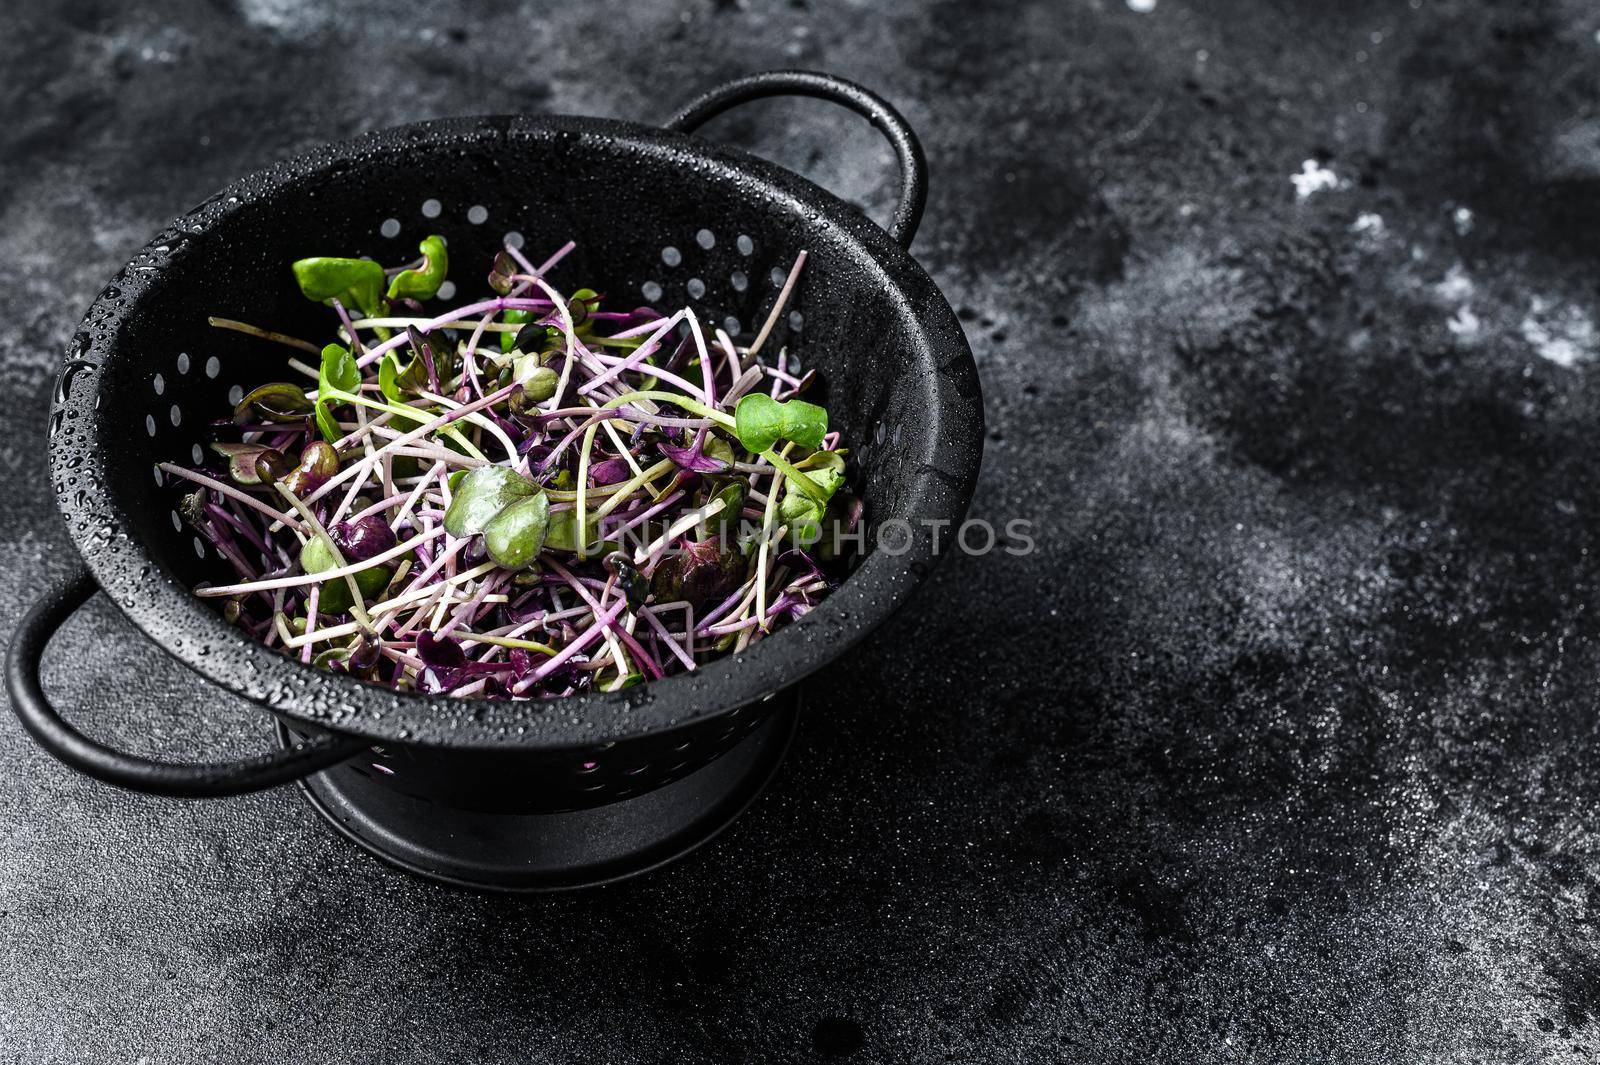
{"points": [[514, 795]]}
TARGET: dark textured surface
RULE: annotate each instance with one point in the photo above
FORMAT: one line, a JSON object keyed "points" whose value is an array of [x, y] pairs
{"points": [[1282, 745]]}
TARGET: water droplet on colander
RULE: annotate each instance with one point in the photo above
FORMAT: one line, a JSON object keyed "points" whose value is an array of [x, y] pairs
{"points": [[69, 373]]}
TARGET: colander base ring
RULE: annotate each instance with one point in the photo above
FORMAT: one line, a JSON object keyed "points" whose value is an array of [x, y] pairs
{"points": [[560, 851]]}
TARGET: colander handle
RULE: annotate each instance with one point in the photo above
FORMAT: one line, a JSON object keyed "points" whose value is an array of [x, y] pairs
{"points": [[864, 102], [95, 759]]}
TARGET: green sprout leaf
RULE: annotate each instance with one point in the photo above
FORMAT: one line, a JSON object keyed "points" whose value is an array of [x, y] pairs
{"points": [[536, 338], [337, 375], [389, 374], [758, 420], [512, 318], [353, 282], [630, 680], [423, 283], [483, 493], [761, 421], [732, 497], [801, 509], [277, 402], [515, 535], [327, 659], [316, 555], [584, 302], [563, 532], [538, 382], [803, 516], [335, 597], [719, 451], [396, 381]]}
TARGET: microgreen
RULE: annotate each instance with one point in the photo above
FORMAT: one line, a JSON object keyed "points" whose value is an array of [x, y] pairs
{"points": [[500, 273], [802, 509], [389, 378], [731, 495], [354, 282], [511, 318], [338, 377], [428, 364], [278, 402], [711, 455], [563, 533], [318, 462], [571, 507], [514, 536], [700, 573], [538, 382], [584, 303], [423, 283], [317, 555], [481, 494], [336, 598], [762, 421], [242, 459]]}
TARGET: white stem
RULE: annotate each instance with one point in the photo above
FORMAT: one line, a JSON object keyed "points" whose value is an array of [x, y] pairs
{"points": [[315, 578], [232, 493], [777, 308]]}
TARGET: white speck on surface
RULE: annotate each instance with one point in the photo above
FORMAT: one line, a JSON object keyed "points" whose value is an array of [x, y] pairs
{"points": [[1462, 217], [1562, 335], [1456, 286], [1312, 179], [1369, 224], [1464, 324], [1143, 7], [291, 18]]}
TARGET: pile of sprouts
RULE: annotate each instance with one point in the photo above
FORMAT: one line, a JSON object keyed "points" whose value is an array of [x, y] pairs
{"points": [[525, 496]]}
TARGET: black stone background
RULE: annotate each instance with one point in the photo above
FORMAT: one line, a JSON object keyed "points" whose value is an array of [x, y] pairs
{"points": [[1281, 747]]}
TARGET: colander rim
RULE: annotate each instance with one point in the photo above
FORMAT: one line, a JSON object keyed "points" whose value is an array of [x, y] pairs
{"points": [[196, 635]]}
